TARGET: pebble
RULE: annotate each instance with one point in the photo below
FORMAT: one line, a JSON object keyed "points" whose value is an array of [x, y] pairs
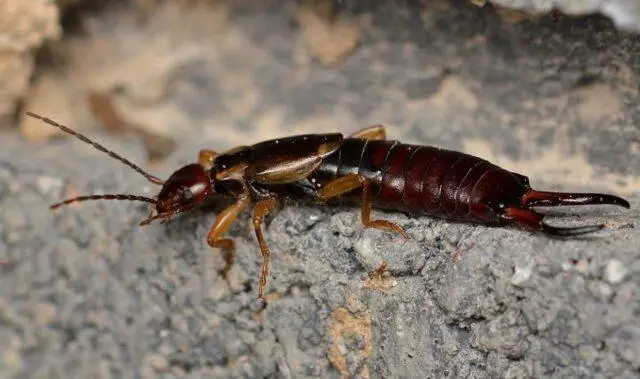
{"points": [[615, 272], [521, 274], [48, 184]]}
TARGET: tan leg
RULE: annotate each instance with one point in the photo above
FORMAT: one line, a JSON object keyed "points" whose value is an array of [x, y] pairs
{"points": [[222, 224], [350, 182], [375, 132], [206, 158], [379, 272], [261, 209]]}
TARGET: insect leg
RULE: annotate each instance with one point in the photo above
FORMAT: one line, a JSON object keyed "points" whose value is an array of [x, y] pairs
{"points": [[262, 208], [223, 222], [206, 158], [375, 132], [350, 182], [532, 220]]}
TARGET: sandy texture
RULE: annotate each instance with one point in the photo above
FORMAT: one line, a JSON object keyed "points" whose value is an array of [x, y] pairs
{"points": [[24, 26], [86, 293]]}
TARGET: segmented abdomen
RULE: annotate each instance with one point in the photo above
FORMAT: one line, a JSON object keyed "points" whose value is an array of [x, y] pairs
{"points": [[423, 179]]}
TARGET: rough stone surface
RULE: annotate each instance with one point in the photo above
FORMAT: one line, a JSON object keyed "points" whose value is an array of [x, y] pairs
{"points": [[86, 293], [624, 13]]}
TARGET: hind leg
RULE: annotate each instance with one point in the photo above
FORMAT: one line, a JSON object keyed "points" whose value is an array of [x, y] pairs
{"points": [[223, 222], [349, 183], [533, 221], [374, 132]]}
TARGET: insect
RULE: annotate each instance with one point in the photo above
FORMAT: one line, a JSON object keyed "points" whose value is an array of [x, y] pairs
{"points": [[364, 168]]}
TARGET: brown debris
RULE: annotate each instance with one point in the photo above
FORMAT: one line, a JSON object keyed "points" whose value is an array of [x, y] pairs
{"points": [[347, 326], [51, 97], [380, 280], [102, 108], [328, 37]]}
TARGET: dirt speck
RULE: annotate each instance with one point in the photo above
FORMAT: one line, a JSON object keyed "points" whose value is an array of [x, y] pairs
{"points": [[380, 280], [597, 101], [329, 37], [102, 108], [50, 97], [478, 3], [347, 326], [452, 90], [514, 16]]}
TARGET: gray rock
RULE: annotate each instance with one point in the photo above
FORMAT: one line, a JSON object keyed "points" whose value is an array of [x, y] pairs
{"points": [[85, 292]]}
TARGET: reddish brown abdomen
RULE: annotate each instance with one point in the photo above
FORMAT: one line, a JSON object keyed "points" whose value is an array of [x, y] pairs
{"points": [[424, 179]]}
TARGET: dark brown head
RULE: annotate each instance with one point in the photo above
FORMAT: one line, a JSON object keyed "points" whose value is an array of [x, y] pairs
{"points": [[185, 189]]}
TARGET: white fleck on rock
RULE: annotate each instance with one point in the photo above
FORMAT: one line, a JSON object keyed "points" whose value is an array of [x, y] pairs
{"points": [[48, 184], [615, 272], [606, 290], [157, 362], [522, 274], [364, 247]]}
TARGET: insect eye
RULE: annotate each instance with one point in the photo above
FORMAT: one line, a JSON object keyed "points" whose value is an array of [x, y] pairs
{"points": [[187, 194]]}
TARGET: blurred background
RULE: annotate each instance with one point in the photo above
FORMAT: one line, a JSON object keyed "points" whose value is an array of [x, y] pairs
{"points": [[549, 95], [548, 89]]}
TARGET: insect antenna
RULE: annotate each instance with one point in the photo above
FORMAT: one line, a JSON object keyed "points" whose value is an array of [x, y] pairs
{"points": [[103, 197], [97, 146]]}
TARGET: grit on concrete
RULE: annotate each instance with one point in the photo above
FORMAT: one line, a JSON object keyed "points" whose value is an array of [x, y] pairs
{"points": [[87, 293]]}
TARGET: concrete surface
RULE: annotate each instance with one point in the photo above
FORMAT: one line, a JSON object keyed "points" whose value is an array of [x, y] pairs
{"points": [[86, 293]]}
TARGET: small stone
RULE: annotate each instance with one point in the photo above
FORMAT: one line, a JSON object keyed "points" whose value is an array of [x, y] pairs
{"points": [[158, 362], [43, 313], [606, 290], [47, 184], [12, 360], [615, 272], [521, 274], [364, 247]]}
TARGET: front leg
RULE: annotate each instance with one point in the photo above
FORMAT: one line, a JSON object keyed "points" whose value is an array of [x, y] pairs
{"points": [[206, 158], [222, 224]]}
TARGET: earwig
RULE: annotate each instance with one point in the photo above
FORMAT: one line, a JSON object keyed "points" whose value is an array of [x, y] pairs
{"points": [[366, 169]]}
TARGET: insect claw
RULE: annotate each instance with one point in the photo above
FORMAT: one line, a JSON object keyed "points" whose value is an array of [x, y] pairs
{"points": [[532, 220], [150, 219], [533, 198], [570, 231]]}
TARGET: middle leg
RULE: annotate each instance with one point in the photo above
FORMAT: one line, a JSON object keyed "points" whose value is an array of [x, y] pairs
{"points": [[261, 209]]}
